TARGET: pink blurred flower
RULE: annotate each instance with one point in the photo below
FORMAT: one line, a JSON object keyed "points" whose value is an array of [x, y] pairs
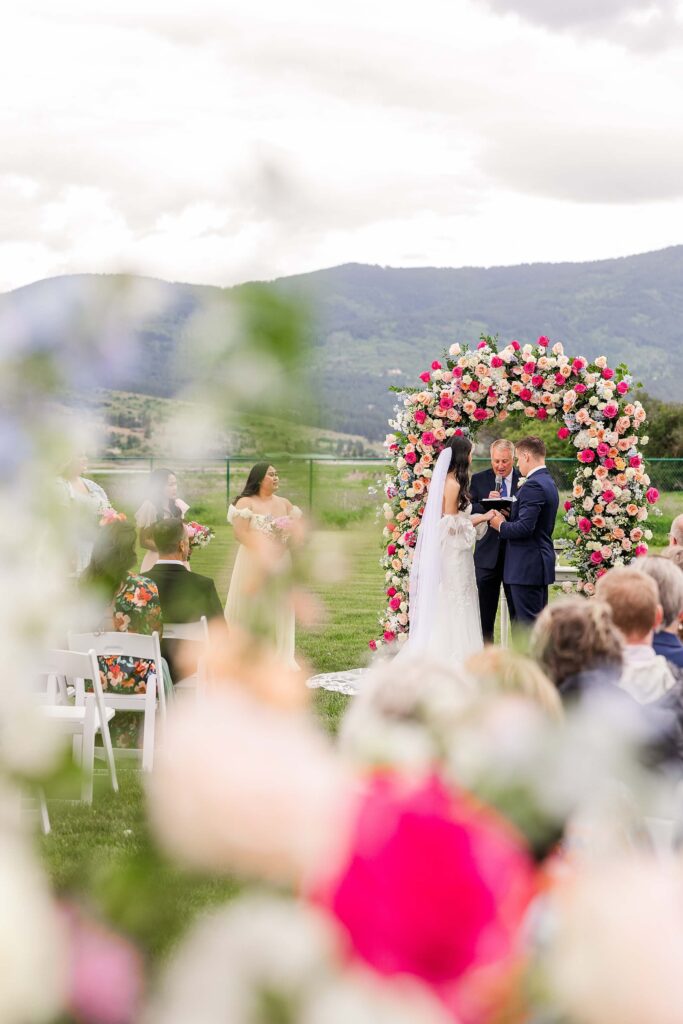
{"points": [[584, 524], [600, 573], [482, 344], [537, 380], [609, 464], [652, 495], [586, 455], [529, 367], [515, 345], [480, 414], [395, 604], [567, 506], [428, 438], [436, 365], [411, 458], [622, 387], [580, 389], [641, 550], [372, 644], [436, 923], [474, 386], [446, 402], [106, 973], [391, 591], [611, 410], [391, 549], [457, 371], [496, 362], [525, 395], [559, 379], [578, 365], [426, 376], [602, 449], [389, 635], [563, 433], [420, 416], [608, 496], [634, 461], [607, 373], [542, 414], [596, 557], [543, 341]]}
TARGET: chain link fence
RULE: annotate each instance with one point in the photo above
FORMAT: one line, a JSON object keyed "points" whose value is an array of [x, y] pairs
{"points": [[335, 490]]}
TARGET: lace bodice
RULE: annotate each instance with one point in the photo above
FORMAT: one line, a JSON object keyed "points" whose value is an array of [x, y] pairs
{"points": [[259, 521], [459, 531]]}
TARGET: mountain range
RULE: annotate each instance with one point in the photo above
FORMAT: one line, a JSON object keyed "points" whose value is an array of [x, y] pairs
{"points": [[374, 327]]}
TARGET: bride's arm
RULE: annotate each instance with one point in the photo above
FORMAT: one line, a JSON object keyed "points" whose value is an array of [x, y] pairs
{"points": [[484, 517]]}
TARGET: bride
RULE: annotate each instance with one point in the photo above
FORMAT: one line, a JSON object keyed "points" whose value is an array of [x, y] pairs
{"points": [[444, 603]]}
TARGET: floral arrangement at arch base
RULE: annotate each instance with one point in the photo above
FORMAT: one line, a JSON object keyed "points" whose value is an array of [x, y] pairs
{"points": [[596, 414]]}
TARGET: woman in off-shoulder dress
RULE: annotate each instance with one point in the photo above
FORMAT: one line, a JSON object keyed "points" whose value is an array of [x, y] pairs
{"points": [[262, 522]]}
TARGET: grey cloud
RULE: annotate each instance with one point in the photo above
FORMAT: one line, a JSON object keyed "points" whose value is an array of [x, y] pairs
{"points": [[636, 24], [588, 166]]}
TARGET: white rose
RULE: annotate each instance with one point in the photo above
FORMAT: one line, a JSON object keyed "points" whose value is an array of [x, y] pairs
{"points": [[454, 350], [588, 504], [645, 440], [593, 400], [588, 471], [437, 374], [401, 462]]}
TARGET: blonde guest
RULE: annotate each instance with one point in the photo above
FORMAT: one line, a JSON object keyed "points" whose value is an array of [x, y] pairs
{"points": [[506, 672]]}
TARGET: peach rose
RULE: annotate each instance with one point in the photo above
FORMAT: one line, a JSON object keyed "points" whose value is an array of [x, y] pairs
{"points": [[578, 491], [620, 464], [469, 407], [632, 509], [636, 534], [515, 387], [618, 533], [601, 473]]}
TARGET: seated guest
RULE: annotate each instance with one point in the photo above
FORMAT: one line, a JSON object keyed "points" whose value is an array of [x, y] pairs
{"points": [[675, 554], [676, 532], [634, 601], [131, 605], [185, 596], [578, 646], [669, 580], [503, 671]]}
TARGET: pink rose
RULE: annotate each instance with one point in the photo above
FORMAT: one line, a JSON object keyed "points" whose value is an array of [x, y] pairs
{"points": [[482, 344], [641, 550], [607, 373], [428, 439], [602, 449], [611, 410], [515, 345], [609, 464], [559, 379], [474, 386], [542, 414], [584, 524], [496, 362], [634, 461], [457, 371], [563, 433], [600, 573], [480, 414], [596, 557], [411, 458], [457, 433], [391, 591], [586, 455], [652, 495], [567, 506], [426, 376], [580, 388], [436, 365], [608, 496], [578, 365], [391, 549], [372, 644], [446, 402], [525, 395], [399, 917], [420, 416], [537, 380], [622, 387], [529, 367], [543, 341], [395, 604]]}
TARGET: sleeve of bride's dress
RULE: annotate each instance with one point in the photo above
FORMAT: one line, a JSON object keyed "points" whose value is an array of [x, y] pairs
{"points": [[238, 513], [458, 530], [480, 530]]}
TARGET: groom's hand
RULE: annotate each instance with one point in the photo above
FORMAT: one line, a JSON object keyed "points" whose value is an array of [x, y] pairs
{"points": [[496, 520]]}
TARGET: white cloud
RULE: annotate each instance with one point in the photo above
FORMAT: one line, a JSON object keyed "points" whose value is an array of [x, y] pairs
{"points": [[238, 142]]}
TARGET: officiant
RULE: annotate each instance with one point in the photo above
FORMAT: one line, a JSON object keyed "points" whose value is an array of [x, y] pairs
{"points": [[500, 481]]}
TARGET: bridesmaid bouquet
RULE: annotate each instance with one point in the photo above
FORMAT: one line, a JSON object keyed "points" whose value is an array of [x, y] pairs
{"points": [[110, 515], [199, 535]]}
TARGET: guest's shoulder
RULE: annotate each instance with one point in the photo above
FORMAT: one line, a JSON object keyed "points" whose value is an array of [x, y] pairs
{"points": [[138, 588]]}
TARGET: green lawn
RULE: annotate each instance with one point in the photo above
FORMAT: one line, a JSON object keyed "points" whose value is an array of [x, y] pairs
{"points": [[105, 850]]}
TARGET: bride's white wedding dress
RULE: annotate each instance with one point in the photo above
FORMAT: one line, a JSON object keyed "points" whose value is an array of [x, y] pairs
{"points": [[456, 628]]}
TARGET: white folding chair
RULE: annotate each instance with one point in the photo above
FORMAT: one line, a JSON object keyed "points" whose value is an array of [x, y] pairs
{"points": [[141, 647], [195, 632], [83, 720]]}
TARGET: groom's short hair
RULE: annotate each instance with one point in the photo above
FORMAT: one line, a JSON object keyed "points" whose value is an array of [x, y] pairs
{"points": [[533, 446], [167, 535]]}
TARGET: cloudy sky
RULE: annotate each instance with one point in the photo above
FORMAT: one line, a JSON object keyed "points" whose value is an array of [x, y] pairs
{"points": [[251, 140]]}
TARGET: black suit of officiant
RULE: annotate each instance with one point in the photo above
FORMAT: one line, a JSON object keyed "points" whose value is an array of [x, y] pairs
{"points": [[489, 555]]}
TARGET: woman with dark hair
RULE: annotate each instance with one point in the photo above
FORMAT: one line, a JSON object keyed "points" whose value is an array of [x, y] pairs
{"points": [[444, 602], [162, 503], [263, 522], [131, 604]]}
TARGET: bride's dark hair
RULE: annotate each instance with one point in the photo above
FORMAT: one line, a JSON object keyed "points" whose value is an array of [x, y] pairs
{"points": [[461, 447]]}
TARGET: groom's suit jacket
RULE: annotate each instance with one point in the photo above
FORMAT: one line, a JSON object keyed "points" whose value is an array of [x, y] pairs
{"points": [[529, 552], [184, 596], [487, 551]]}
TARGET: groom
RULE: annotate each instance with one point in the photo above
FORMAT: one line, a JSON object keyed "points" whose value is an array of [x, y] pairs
{"points": [[529, 553]]}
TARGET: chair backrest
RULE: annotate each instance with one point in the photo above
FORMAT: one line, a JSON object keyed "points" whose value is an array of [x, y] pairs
{"points": [[123, 645], [196, 631], [69, 665]]}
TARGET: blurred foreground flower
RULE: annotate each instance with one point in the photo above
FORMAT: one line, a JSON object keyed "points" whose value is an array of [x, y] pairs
{"points": [[435, 887], [32, 967], [241, 786], [266, 960], [105, 973], [615, 944]]}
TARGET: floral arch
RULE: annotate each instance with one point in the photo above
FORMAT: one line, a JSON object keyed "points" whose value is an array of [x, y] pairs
{"points": [[596, 415]]}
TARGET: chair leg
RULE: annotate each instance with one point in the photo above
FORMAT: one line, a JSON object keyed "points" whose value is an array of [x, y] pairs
{"points": [[109, 754], [88, 750], [148, 728]]}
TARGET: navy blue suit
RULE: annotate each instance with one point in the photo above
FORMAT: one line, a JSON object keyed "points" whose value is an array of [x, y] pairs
{"points": [[489, 555], [529, 553]]}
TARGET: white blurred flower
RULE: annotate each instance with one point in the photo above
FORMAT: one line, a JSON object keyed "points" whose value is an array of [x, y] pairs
{"points": [[31, 941], [242, 786]]}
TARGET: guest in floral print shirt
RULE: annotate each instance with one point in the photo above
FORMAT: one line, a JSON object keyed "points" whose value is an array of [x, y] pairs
{"points": [[132, 606]]}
